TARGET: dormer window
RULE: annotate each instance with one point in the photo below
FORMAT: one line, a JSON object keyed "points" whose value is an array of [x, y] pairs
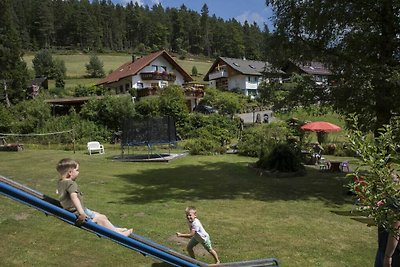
{"points": [[251, 66], [236, 64]]}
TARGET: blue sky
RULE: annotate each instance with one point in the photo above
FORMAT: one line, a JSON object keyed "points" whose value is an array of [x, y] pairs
{"points": [[241, 10]]}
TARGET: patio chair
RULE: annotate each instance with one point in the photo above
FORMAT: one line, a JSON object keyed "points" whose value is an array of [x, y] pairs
{"points": [[323, 164], [344, 165], [95, 146]]}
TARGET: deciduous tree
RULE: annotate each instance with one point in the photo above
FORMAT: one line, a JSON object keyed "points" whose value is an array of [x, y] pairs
{"points": [[359, 40]]}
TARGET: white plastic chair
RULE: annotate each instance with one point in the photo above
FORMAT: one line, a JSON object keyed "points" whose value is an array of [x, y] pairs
{"points": [[95, 146]]}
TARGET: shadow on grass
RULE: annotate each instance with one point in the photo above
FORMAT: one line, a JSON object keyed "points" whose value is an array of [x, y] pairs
{"points": [[229, 181], [161, 264]]}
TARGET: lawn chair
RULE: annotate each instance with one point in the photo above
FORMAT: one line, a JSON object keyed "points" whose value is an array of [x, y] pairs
{"points": [[344, 165], [95, 146], [323, 164]]}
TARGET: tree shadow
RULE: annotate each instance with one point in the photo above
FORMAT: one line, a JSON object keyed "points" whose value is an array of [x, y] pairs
{"points": [[161, 264], [230, 181]]}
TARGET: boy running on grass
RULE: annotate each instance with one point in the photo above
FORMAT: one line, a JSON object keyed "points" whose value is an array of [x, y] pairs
{"points": [[71, 197], [197, 234]]}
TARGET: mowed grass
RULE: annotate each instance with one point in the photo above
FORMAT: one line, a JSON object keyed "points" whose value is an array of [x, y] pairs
{"points": [[76, 66], [301, 221]]}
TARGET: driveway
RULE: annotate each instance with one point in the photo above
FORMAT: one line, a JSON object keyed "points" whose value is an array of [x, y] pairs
{"points": [[249, 118]]}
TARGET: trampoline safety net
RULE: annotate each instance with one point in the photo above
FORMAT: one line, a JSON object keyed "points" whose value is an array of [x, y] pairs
{"points": [[149, 131]]}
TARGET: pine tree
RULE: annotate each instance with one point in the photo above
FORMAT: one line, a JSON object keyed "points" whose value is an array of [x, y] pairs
{"points": [[13, 71]]}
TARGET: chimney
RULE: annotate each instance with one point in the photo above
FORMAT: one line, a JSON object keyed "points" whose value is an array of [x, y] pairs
{"points": [[135, 57]]}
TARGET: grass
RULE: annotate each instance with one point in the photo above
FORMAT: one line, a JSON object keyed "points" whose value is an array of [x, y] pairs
{"points": [[76, 66], [332, 117], [301, 221]]}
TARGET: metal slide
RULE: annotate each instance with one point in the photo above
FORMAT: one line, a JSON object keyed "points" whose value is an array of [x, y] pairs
{"points": [[51, 206]]}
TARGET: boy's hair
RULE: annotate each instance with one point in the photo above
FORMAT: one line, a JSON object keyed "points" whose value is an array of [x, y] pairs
{"points": [[191, 208], [65, 165]]}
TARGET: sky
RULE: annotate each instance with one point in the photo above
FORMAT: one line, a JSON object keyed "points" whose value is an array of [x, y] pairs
{"points": [[241, 10]]}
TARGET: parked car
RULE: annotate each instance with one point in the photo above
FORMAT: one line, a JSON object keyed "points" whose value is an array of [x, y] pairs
{"points": [[205, 109]]}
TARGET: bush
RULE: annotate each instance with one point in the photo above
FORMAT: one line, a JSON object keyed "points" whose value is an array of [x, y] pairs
{"points": [[283, 158], [202, 146], [94, 68], [220, 129], [262, 137], [344, 150]]}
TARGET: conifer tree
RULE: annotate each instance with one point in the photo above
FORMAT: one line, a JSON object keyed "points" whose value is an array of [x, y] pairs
{"points": [[13, 71]]}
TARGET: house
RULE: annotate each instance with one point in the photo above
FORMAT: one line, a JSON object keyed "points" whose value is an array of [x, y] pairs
{"points": [[317, 70], [241, 74], [149, 74], [36, 84]]}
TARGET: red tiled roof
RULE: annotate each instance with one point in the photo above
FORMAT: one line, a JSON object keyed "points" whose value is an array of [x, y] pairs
{"points": [[132, 68]]}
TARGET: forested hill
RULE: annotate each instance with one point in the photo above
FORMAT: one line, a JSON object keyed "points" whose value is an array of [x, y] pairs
{"points": [[103, 26]]}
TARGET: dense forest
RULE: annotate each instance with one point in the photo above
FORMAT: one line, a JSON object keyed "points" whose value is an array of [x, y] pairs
{"points": [[104, 26]]}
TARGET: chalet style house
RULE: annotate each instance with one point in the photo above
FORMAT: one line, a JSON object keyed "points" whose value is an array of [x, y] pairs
{"points": [[317, 70], [149, 74], [241, 74]]}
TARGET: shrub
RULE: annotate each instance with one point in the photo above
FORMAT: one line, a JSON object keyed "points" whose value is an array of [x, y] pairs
{"points": [[94, 68], [377, 189], [202, 146], [109, 111], [282, 158], [262, 138]]}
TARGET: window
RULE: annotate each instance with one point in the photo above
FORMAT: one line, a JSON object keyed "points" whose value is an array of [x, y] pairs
{"points": [[139, 85], [163, 84], [154, 68], [252, 79], [163, 68]]}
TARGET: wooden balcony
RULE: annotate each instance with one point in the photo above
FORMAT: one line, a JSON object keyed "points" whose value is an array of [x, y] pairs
{"points": [[157, 76], [218, 75], [189, 92], [147, 92], [193, 92]]}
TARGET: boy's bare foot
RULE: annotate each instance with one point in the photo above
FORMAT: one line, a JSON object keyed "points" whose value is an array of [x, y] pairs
{"points": [[121, 229], [127, 232]]}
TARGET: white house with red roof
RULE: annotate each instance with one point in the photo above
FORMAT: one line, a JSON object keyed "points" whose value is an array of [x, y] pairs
{"points": [[151, 73], [156, 70]]}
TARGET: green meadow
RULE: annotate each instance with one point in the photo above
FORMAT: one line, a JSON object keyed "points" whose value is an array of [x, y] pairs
{"points": [[76, 70], [301, 221]]}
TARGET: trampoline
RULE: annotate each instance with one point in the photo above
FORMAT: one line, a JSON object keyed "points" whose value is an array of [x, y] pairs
{"points": [[148, 132]]}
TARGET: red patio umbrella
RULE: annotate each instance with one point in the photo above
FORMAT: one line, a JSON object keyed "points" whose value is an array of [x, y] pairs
{"points": [[320, 126]]}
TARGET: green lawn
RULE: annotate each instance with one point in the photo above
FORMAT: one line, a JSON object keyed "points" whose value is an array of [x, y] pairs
{"points": [[76, 66], [301, 221]]}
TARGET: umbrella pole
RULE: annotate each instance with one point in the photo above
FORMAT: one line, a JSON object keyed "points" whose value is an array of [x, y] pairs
{"points": [[321, 137]]}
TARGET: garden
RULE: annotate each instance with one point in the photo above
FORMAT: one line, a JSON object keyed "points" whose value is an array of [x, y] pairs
{"points": [[301, 220]]}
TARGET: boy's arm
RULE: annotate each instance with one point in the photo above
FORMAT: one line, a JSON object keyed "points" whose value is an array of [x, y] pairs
{"points": [[77, 203], [191, 234]]}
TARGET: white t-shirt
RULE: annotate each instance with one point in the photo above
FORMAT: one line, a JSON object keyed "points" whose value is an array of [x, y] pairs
{"points": [[199, 229]]}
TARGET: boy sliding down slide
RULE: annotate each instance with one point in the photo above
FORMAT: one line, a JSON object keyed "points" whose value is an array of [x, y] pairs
{"points": [[71, 197]]}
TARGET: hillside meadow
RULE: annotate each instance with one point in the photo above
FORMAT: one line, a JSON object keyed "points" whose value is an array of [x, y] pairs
{"points": [[76, 70], [301, 221]]}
